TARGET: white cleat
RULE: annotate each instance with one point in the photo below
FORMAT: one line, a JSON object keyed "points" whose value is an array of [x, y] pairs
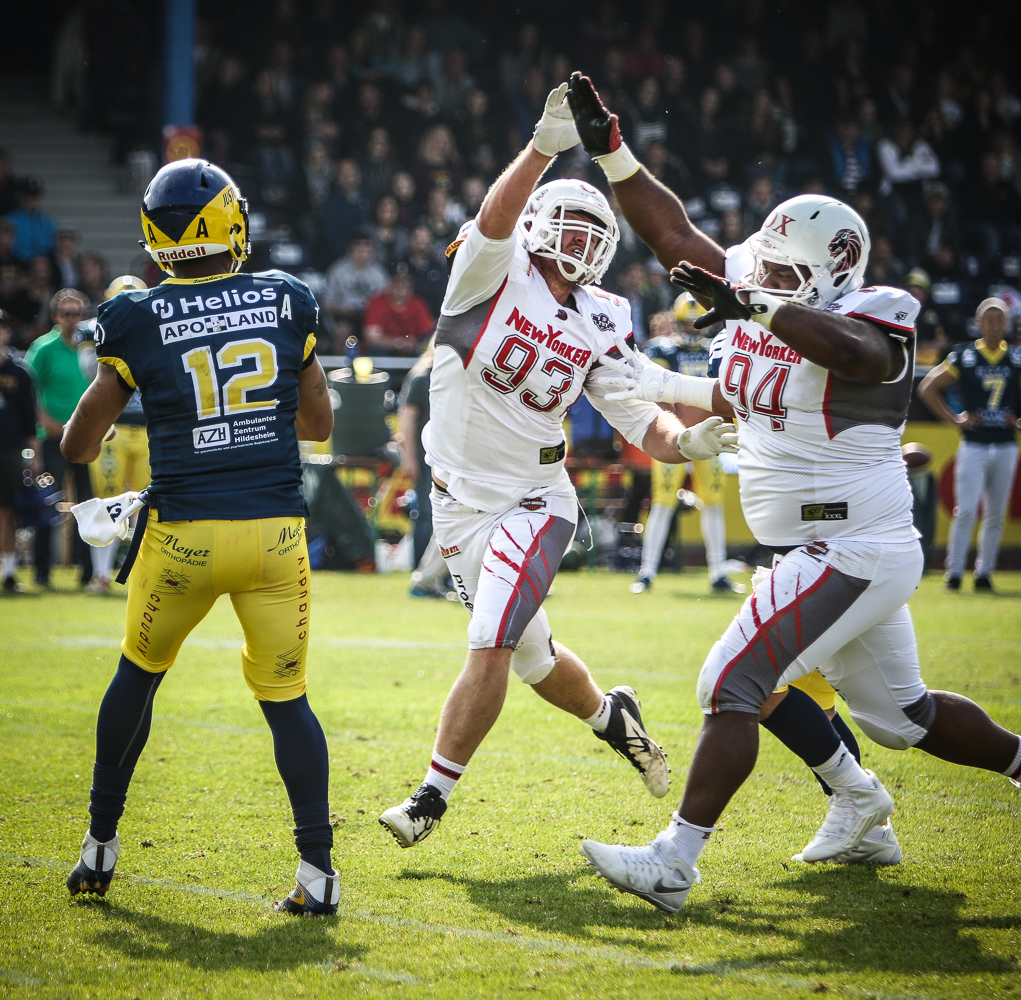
{"points": [[652, 873], [626, 734], [852, 814], [416, 817], [878, 847]]}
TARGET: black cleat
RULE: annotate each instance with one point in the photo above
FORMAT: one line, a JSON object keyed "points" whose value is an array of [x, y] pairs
{"points": [[95, 866], [984, 583], [316, 894], [416, 817], [952, 583], [626, 734]]}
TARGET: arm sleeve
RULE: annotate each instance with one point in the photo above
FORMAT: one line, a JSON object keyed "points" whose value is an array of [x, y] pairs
{"points": [[632, 417], [479, 267]]}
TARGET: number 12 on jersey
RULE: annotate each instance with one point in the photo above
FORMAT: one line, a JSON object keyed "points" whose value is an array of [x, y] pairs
{"points": [[213, 399]]}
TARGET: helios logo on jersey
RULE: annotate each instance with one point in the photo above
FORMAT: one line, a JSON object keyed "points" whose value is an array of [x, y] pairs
{"points": [[214, 436], [824, 512], [224, 322]]}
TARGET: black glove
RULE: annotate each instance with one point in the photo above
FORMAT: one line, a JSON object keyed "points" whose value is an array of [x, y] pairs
{"points": [[720, 292], [598, 129]]}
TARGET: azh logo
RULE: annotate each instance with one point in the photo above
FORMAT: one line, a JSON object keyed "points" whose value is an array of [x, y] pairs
{"points": [[215, 436]]}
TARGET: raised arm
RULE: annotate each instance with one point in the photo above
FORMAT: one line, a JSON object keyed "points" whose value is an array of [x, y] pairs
{"points": [[506, 199], [655, 213]]}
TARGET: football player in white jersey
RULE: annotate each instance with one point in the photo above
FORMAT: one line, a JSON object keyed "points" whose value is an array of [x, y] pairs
{"points": [[520, 333], [817, 371]]}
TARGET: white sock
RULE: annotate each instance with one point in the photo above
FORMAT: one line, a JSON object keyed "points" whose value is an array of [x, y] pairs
{"points": [[102, 559], [842, 772], [1014, 771], [688, 839], [601, 719], [713, 525], [657, 530], [443, 774], [10, 561]]}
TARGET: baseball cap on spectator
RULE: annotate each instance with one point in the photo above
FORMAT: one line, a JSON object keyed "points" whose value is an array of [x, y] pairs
{"points": [[918, 277]]}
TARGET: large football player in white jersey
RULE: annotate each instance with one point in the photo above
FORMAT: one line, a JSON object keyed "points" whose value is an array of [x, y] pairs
{"points": [[521, 330], [817, 371]]}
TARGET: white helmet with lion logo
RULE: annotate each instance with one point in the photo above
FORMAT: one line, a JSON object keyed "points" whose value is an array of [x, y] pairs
{"points": [[543, 222], [823, 239]]}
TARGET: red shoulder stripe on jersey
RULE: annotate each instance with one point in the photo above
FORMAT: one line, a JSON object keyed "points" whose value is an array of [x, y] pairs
{"points": [[485, 323], [881, 322]]}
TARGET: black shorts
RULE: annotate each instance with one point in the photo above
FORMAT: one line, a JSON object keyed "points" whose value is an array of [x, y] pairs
{"points": [[12, 467]]}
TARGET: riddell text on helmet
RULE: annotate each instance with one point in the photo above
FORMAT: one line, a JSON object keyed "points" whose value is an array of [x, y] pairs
{"points": [[181, 253]]}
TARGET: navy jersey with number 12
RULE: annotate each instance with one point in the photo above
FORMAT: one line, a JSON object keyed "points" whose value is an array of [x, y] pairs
{"points": [[217, 361]]}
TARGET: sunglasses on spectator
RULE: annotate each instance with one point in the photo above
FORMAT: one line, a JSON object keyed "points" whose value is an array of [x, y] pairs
{"points": [[69, 312]]}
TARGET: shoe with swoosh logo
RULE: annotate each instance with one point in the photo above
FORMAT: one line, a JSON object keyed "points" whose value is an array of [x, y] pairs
{"points": [[626, 734], [653, 873], [316, 894]]}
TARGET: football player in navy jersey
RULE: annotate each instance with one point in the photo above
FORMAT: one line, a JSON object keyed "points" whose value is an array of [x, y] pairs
{"points": [[987, 374], [226, 367]]}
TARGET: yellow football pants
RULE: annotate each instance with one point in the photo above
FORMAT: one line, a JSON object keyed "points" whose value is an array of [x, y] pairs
{"points": [[184, 566], [123, 463]]}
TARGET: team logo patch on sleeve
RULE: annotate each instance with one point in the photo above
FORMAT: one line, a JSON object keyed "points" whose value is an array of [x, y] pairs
{"points": [[603, 322], [533, 503]]}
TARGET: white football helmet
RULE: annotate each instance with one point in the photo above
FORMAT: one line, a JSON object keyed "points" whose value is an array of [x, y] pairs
{"points": [[543, 222], [823, 239]]}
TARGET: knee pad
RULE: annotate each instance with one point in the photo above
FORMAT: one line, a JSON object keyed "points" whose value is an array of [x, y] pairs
{"points": [[533, 657], [482, 630], [905, 733]]}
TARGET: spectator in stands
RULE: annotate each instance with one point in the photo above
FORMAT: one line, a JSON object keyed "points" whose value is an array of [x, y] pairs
{"points": [[17, 433], [849, 158], [396, 320], [418, 113], [318, 120], [931, 341], [437, 162], [442, 217], [668, 169], [222, 108], [370, 112], [379, 164], [711, 141], [29, 306], [34, 230], [453, 83], [884, 267], [404, 189], [936, 225], [478, 133], [12, 270], [317, 172], [60, 381], [994, 214], [428, 268], [473, 190], [66, 256], [346, 208], [646, 119], [414, 63], [389, 238], [905, 162], [93, 278], [759, 200], [350, 281], [271, 139]]}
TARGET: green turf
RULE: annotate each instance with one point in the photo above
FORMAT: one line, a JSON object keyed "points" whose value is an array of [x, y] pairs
{"points": [[499, 901]]}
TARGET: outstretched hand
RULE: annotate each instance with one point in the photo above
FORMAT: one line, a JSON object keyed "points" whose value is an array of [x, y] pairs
{"points": [[720, 292], [711, 437], [598, 129], [555, 130]]}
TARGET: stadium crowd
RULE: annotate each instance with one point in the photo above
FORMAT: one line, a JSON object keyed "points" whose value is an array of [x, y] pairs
{"points": [[364, 140]]}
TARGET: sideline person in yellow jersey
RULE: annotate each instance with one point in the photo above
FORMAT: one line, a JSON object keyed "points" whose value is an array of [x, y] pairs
{"points": [[226, 367]]}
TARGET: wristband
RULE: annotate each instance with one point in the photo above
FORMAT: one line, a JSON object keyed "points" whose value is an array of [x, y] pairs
{"points": [[765, 305], [690, 390], [618, 165]]}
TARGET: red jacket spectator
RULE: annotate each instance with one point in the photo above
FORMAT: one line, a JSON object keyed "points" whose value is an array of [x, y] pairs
{"points": [[396, 320]]}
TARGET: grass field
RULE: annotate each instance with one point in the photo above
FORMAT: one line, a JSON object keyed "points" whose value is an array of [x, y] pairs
{"points": [[498, 902]]}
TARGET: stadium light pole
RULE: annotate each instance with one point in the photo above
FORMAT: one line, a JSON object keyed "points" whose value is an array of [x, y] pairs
{"points": [[179, 62]]}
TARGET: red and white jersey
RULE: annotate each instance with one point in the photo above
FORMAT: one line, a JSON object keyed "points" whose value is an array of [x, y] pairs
{"points": [[819, 456], [510, 361]]}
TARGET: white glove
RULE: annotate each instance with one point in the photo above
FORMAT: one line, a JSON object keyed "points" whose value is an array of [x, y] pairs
{"points": [[100, 520], [555, 131], [636, 377], [707, 439]]}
